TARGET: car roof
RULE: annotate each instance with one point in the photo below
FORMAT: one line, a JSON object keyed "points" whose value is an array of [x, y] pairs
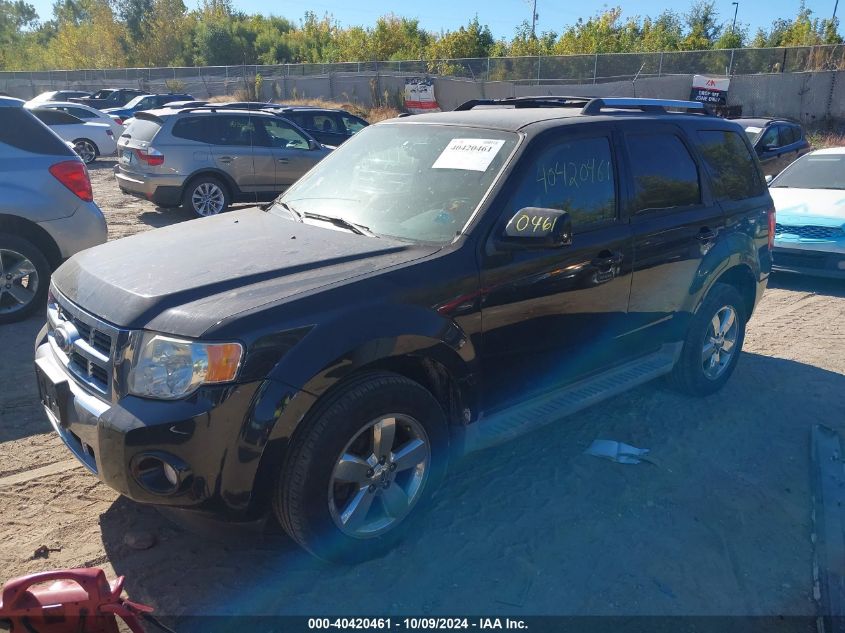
{"points": [[829, 151], [760, 121], [64, 104], [11, 102]]}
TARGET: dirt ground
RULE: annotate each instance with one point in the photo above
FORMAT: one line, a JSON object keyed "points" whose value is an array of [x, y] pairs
{"points": [[719, 524]]}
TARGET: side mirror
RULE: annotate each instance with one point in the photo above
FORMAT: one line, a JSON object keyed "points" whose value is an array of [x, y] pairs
{"points": [[769, 178], [312, 145], [537, 227]]}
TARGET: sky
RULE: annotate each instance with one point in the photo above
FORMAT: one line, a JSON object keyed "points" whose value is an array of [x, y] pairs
{"points": [[502, 16]]}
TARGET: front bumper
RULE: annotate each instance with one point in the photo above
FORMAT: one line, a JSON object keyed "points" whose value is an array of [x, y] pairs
{"points": [[816, 259], [203, 433]]}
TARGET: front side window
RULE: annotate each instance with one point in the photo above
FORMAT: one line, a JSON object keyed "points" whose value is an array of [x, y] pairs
{"points": [[575, 176], [730, 165], [771, 138], [353, 124], [665, 175], [419, 182], [324, 123], [280, 134]]}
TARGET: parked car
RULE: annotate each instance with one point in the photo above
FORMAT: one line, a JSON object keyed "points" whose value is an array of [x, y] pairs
{"points": [[179, 105], [205, 159], [810, 199], [90, 139], [109, 98], [437, 284], [56, 95], [81, 112], [777, 142], [47, 211], [327, 125], [143, 102]]}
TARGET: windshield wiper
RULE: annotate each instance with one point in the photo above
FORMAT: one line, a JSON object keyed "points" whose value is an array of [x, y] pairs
{"points": [[343, 223], [287, 207]]}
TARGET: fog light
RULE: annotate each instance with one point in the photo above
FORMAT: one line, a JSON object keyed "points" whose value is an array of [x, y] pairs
{"points": [[160, 473]]}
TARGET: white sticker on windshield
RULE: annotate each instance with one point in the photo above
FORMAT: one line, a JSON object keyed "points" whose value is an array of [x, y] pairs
{"points": [[474, 154], [753, 130]]}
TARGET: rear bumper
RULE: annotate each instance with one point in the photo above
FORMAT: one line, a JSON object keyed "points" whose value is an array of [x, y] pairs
{"points": [[808, 261], [84, 229], [164, 191]]}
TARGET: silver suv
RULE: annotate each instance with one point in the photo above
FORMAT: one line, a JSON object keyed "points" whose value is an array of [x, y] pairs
{"points": [[47, 211], [205, 158]]}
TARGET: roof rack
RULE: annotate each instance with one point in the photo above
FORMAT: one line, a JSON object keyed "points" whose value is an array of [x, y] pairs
{"points": [[590, 105], [595, 106]]}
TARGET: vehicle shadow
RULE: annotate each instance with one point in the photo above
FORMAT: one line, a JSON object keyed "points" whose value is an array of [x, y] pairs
{"points": [[21, 414], [716, 522], [165, 217], [806, 283]]}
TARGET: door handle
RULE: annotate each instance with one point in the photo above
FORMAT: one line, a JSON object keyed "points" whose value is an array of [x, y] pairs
{"points": [[607, 260], [225, 159], [283, 161], [706, 235]]}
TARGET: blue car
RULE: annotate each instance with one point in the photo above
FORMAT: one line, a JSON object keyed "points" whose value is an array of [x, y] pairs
{"points": [[144, 102], [809, 197]]}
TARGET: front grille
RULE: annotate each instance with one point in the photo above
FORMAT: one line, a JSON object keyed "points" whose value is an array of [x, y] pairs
{"points": [[91, 359], [810, 232]]}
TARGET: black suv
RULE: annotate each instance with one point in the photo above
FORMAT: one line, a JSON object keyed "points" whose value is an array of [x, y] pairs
{"points": [[437, 284]]}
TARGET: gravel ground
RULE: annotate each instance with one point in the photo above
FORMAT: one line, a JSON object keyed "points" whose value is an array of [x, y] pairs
{"points": [[718, 524]]}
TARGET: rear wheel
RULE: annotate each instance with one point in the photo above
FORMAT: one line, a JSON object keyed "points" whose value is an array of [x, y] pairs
{"points": [[713, 343], [206, 196], [86, 149], [24, 277], [370, 456]]}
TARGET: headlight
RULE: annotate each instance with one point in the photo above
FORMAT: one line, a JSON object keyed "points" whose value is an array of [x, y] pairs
{"points": [[169, 368]]}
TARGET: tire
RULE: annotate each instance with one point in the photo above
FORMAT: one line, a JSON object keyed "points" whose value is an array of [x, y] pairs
{"points": [[86, 149], [206, 196], [21, 294], [314, 496], [706, 361]]}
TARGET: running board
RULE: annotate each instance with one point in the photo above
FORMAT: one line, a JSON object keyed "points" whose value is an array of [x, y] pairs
{"points": [[521, 418]]}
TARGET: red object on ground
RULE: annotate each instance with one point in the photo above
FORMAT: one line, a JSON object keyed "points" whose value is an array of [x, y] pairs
{"points": [[74, 601]]}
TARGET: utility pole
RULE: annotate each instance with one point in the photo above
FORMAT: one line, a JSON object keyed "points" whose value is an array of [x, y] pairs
{"points": [[736, 8], [835, 7], [534, 19]]}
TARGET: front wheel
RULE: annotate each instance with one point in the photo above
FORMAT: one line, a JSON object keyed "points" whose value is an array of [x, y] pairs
{"points": [[365, 462], [713, 343]]}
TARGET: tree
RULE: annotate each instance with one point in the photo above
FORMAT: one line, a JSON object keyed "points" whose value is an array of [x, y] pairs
{"points": [[703, 28]]}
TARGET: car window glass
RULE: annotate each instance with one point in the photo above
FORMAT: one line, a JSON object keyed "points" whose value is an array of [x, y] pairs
{"points": [[665, 175], [195, 128], [814, 171], [353, 124], [770, 137], [80, 113], [19, 128], [282, 134], [576, 176], [297, 118], [785, 135], [56, 117], [730, 164], [143, 129], [324, 123], [233, 129]]}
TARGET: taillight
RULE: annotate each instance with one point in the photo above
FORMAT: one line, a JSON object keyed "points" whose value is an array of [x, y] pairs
{"points": [[73, 175], [772, 225], [152, 156], [119, 121]]}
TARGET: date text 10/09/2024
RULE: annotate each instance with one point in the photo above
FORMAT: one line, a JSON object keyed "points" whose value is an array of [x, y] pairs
{"points": [[435, 624]]}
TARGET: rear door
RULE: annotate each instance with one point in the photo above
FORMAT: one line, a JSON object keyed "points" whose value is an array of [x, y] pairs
{"points": [[233, 153], [552, 315], [675, 222]]}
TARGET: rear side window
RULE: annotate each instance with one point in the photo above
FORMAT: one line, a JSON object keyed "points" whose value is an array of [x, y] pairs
{"points": [[665, 175], [730, 165], [195, 128], [55, 117], [324, 123], [575, 176], [353, 124], [20, 129], [142, 129]]}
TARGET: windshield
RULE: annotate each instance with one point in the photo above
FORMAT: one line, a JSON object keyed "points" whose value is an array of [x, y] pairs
{"points": [[814, 171], [102, 94], [753, 133], [407, 180], [137, 100]]}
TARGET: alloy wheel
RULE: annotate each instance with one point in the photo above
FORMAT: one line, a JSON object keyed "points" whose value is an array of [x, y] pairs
{"points": [[208, 199], [18, 281], [719, 342], [379, 476], [86, 151]]}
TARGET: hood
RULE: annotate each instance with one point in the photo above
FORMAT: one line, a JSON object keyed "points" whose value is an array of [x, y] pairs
{"points": [[185, 278], [113, 110], [820, 207]]}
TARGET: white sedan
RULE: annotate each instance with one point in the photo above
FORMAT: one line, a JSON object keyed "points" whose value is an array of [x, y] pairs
{"points": [[82, 112], [89, 139], [809, 198]]}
